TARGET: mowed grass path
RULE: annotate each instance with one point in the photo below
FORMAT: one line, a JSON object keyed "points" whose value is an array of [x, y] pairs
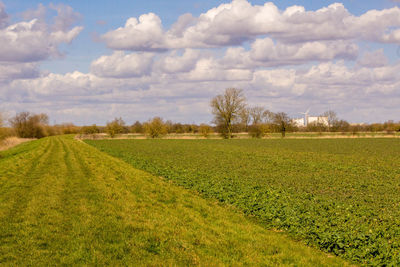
{"points": [[64, 202]]}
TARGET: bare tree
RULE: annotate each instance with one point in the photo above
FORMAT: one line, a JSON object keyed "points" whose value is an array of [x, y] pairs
{"points": [[245, 118], [268, 116], [226, 109], [332, 118], [256, 114], [282, 122]]}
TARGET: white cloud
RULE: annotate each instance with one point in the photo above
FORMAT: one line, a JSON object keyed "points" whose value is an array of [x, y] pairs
{"points": [[121, 65], [145, 34], [266, 53], [373, 59], [24, 44], [173, 63], [66, 17], [13, 71], [34, 40], [239, 21], [323, 86]]}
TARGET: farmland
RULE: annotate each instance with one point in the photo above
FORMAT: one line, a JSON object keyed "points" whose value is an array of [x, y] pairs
{"points": [[340, 195], [63, 202]]}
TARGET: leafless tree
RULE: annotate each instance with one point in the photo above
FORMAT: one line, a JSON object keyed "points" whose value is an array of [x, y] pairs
{"points": [[282, 122], [245, 118], [332, 118], [268, 116], [226, 109], [256, 114]]}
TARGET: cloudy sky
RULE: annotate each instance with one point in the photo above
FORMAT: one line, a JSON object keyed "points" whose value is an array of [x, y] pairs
{"points": [[90, 61]]}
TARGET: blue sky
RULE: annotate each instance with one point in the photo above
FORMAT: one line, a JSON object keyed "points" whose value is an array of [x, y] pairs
{"points": [[90, 71]]}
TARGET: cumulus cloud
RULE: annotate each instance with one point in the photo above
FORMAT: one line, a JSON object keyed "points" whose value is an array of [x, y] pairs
{"points": [[208, 69], [121, 65], [24, 44], [174, 63], [13, 71], [143, 34], [373, 59], [239, 21], [325, 85], [266, 53], [34, 40]]}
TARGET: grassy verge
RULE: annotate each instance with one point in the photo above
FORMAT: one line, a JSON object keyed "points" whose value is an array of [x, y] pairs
{"points": [[63, 202], [10, 142]]}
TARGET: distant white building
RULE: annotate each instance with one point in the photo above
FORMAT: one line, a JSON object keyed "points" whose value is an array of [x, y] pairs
{"points": [[318, 120], [302, 122], [298, 122]]}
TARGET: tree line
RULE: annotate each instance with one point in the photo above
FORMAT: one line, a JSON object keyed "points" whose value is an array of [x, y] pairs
{"points": [[231, 113]]}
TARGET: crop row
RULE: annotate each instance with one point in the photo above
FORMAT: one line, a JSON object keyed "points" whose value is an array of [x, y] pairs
{"points": [[340, 195]]}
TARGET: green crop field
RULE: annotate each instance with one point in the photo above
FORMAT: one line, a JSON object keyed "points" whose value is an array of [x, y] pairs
{"points": [[63, 202], [340, 195]]}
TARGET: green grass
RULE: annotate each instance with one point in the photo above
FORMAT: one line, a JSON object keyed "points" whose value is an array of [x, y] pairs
{"points": [[341, 195], [62, 202]]}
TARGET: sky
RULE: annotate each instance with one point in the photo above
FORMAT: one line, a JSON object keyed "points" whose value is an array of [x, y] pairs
{"points": [[88, 62]]}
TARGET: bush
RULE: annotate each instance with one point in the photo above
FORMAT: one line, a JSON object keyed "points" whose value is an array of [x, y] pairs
{"points": [[68, 128], [155, 128], [205, 130], [137, 127], [5, 132], [258, 130], [316, 127], [28, 125], [117, 126], [90, 129]]}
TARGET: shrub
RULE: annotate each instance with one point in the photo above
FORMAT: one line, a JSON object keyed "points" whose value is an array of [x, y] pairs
{"points": [[69, 128], [205, 130], [155, 127], [258, 130], [137, 127], [90, 129], [28, 125], [115, 127], [5, 132]]}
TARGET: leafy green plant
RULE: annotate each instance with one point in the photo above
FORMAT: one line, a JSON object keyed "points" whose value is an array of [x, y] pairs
{"points": [[340, 195]]}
